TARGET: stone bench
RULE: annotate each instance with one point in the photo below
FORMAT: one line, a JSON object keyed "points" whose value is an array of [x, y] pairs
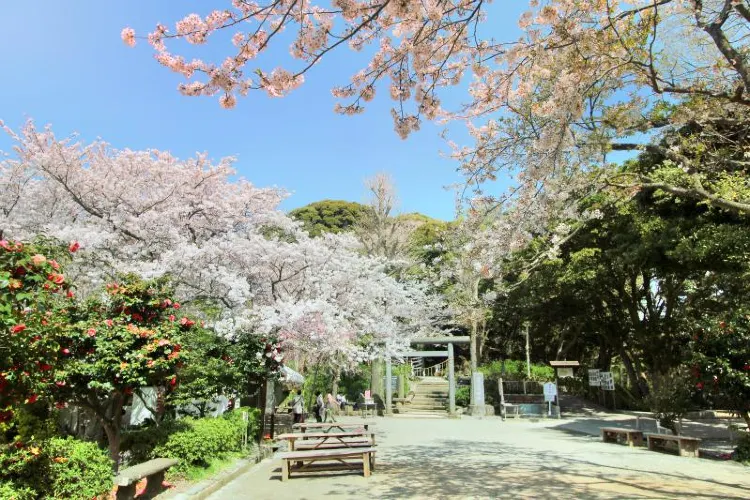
{"points": [[686, 446], [633, 437], [153, 471], [306, 460]]}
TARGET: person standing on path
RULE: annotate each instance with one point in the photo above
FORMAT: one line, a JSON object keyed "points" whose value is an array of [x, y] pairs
{"points": [[320, 408], [331, 407], [298, 408]]}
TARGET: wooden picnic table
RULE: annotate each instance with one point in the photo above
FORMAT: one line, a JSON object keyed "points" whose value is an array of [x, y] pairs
{"points": [[328, 427], [330, 439]]}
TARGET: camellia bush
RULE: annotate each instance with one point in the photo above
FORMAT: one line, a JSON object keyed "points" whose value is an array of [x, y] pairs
{"points": [[34, 300], [721, 362], [127, 340]]}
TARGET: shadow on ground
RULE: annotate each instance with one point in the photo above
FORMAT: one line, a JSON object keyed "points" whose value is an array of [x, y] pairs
{"points": [[456, 469]]}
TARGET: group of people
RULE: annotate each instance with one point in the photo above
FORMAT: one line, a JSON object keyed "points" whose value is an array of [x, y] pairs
{"points": [[323, 409]]}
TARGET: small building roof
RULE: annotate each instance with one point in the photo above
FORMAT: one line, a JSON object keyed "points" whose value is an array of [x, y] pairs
{"points": [[564, 364]]}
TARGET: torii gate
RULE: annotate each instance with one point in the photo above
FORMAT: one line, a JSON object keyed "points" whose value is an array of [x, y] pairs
{"points": [[428, 354]]}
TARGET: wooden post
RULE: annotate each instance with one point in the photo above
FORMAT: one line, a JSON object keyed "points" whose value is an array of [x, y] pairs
{"points": [[451, 382]]}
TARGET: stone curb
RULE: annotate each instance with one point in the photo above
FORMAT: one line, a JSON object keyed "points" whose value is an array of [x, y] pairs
{"points": [[205, 488]]}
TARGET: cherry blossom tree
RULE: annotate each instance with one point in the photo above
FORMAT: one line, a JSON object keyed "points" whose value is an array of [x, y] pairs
{"points": [[584, 78], [220, 241]]}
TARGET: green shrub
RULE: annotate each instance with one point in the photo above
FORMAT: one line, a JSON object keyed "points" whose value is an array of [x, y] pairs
{"points": [[9, 491], [78, 469], [56, 468], [463, 395], [742, 452], [193, 441], [511, 369]]}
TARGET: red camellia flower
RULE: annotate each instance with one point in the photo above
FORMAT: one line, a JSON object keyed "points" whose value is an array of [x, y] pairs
{"points": [[108, 322], [54, 264], [171, 317], [45, 367], [699, 386], [56, 278], [176, 305], [74, 246], [32, 399], [18, 328], [91, 332], [136, 317], [70, 294], [173, 381], [746, 367], [186, 322], [60, 383], [65, 351]]}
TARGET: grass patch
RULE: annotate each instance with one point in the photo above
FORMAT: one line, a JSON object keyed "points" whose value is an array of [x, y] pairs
{"points": [[195, 473]]}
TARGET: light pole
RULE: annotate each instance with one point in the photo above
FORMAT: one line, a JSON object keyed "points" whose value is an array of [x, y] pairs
{"points": [[528, 352]]}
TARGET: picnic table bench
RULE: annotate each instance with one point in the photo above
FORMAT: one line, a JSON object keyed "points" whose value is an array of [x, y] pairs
{"points": [[327, 427], [337, 459], [633, 437], [153, 471], [686, 446], [341, 439]]}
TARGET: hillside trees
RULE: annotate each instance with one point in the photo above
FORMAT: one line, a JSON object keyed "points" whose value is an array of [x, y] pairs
{"points": [[329, 216], [634, 285]]}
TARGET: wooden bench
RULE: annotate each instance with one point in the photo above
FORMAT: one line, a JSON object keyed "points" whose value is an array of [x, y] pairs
{"points": [[153, 471], [633, 437], [326, 445], [686, 446], [305, 461]]}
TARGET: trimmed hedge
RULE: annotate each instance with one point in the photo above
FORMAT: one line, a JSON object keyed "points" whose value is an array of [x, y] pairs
{"points": [[193, 441]]}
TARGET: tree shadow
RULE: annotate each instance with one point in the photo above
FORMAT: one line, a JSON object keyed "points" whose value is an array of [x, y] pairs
{"points": [[459, 469]]}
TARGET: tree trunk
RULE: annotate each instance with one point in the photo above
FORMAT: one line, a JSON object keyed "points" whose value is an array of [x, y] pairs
{"points": [[745, 414], [336, 378], [113, 439]]}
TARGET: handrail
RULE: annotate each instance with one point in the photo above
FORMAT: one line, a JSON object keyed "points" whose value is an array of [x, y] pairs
{"points": [[431, 371]]}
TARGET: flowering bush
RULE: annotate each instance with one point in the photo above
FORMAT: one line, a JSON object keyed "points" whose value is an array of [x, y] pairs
{"points": [[721, 362], [127, 340], [34, 296]]}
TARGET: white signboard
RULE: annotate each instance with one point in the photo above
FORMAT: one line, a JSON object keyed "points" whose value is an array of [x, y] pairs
{"points": [[565, 372], [550, 391], [607, 381], [594, 378]]}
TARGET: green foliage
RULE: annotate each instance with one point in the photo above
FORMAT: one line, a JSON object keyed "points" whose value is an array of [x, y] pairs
{"points": [[670, 398], [742, 451], [463, 395], [329, 216], [193, 441], [510, 369], [78, 470], [721, 361], [209, 370], [10, 491], [56, 468]]}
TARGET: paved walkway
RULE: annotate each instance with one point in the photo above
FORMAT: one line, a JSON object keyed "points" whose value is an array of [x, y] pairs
{"points": [[488, 458]]}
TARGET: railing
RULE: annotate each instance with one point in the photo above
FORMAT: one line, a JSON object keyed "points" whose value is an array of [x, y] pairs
{"points": [[437, 370], [522, 387]]}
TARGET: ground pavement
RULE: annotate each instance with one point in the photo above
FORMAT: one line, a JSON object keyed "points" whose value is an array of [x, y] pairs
{"points": [[488, 458]]}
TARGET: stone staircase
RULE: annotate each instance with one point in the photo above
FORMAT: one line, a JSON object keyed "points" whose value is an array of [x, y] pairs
{"points": [[430, 400]]}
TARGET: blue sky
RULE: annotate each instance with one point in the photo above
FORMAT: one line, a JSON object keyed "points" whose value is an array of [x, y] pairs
{"points": [[64, 64]]}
